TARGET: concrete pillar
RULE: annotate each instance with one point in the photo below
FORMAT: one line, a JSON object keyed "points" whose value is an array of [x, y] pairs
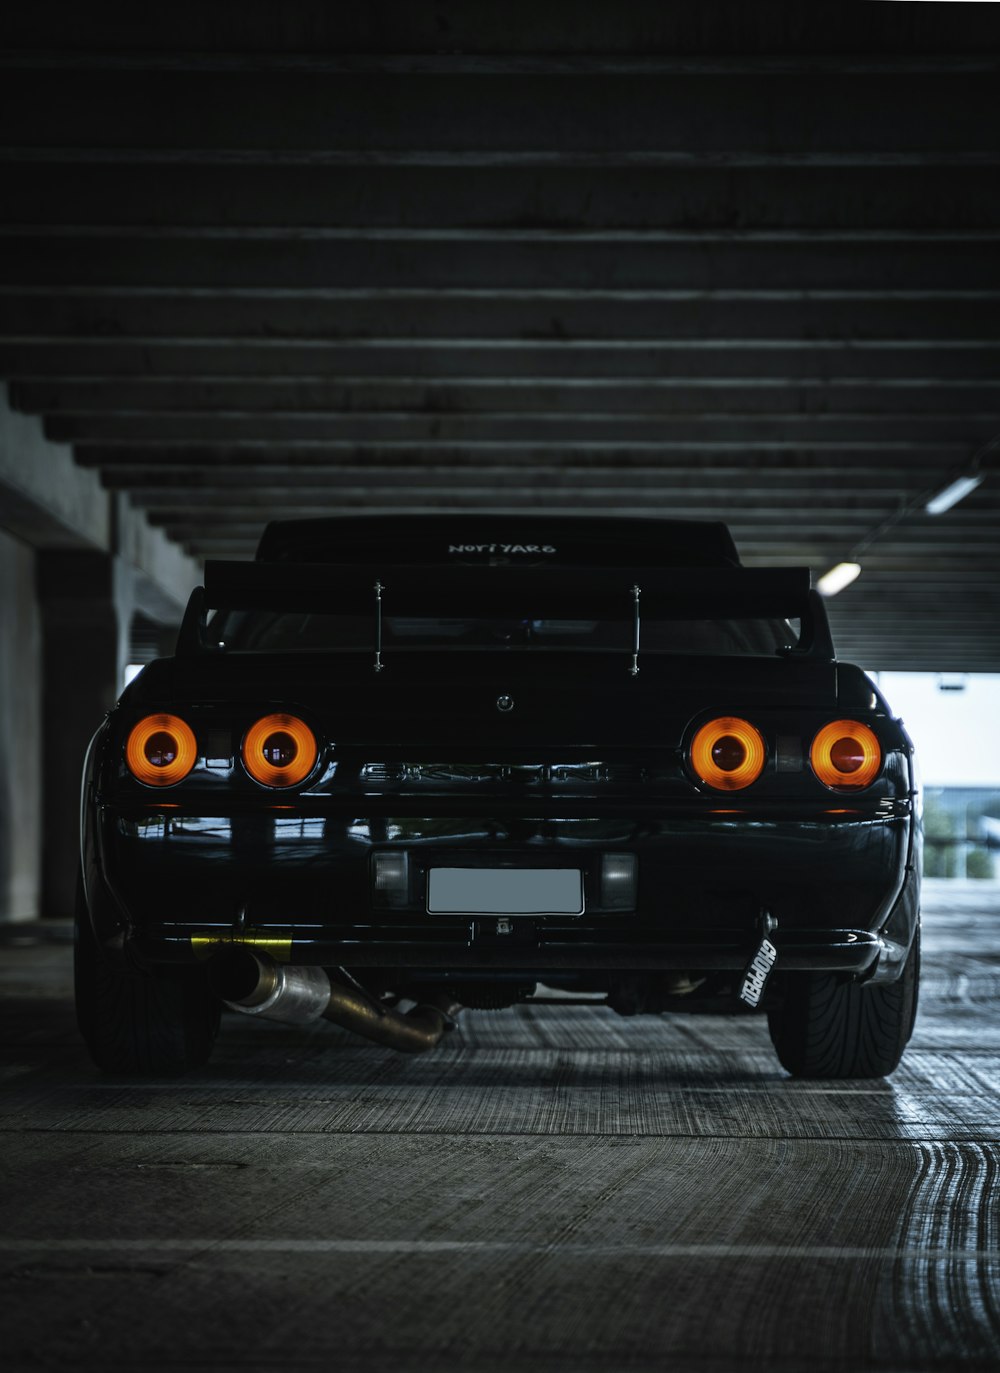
{"points": [[86, 605], [76, 563], [20, 731]]}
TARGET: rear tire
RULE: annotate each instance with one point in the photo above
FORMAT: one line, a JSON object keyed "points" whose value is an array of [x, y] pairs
{"points": [[163, 1021], [827, 1028]]}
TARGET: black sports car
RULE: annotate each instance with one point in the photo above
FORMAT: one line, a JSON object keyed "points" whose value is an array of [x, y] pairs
{"points": [[402, 766]]}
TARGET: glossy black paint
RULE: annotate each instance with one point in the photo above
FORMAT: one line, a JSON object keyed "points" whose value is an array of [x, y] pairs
{"points": [[588, 761]]}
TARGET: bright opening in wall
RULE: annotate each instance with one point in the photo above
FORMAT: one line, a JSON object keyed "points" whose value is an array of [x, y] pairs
{"points": [[954, 721]]}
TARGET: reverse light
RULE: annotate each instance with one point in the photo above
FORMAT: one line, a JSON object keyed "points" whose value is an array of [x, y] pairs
{"points": [[391, 878], [618, 881], [846, 755], [728, 753], [279, 750], [161, 750]]}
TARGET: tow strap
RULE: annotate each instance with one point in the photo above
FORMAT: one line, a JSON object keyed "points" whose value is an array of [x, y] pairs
{"points": [[760, 967]]}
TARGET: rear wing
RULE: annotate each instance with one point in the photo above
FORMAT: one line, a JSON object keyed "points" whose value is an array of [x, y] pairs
{"points": [[522, 592]]}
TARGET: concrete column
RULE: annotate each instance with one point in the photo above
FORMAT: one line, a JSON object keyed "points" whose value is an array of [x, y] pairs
{"points": [[20, 731], [76, 563], [86, 612]]}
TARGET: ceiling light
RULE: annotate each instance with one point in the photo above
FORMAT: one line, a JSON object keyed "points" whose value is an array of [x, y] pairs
{"points": [[837, 578], [952, 494]]}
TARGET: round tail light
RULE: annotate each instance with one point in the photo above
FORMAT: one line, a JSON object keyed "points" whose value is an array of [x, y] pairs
{"points": [[846, 756], [728, 753], [279, 751], [161, 750]]}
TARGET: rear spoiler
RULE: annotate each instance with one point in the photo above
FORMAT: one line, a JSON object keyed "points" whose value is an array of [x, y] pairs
{"points": [[538, 592]]}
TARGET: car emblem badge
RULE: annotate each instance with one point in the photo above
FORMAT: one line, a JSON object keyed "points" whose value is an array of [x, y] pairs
{"points": [[505, 703]]}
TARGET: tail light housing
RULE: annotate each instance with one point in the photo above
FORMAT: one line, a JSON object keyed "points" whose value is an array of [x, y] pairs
{"points": [[279, 750], [846, 755], [161, 750], [728, 753]]}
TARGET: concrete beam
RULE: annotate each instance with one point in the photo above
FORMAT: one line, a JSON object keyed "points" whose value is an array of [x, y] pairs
{"points": [[224, 514], [795, 459], [289, 429], [508, 259], [256, 31], [471, 358], [401, 395], [954, 436], [753, 499], [365, 117], [50, 503], [506, 63], [974, 541], [89, 188], [755, 485], [610, 316]]}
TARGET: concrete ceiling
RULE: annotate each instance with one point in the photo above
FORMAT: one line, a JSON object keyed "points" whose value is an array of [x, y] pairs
{"points": [[722, 260]]}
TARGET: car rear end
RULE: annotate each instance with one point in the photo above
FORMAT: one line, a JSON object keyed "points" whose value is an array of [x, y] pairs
{"points": [[498, 774]]}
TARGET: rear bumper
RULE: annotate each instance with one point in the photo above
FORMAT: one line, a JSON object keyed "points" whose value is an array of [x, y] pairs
{"points": [[298, 883], [848, 951]]}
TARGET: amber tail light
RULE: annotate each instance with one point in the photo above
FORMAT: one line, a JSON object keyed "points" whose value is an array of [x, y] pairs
{"points": [[161, 750], [846, 756], [279, 751], [728, 753]]}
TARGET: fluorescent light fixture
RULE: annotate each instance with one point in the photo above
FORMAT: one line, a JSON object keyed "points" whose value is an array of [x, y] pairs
{"points": [[837, 578], [951, 495]]}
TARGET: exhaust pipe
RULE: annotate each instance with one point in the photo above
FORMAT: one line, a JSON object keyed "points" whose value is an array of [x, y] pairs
{"points": [[254, 985]]}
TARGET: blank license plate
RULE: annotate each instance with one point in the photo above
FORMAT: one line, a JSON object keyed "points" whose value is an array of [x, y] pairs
{"points": [[505, 891]]}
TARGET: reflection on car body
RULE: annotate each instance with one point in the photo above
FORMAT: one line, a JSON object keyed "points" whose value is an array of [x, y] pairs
{"points": [[392, 772]]}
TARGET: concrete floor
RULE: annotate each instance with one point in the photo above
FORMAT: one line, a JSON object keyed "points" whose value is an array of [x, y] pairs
{"points": [[552, 1189]]}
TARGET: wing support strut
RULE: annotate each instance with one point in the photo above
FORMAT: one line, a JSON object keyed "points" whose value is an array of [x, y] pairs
{"points": [[379, 588], [634, 669]]}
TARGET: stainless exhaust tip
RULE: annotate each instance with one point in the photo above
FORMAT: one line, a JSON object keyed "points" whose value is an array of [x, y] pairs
{"points": [[254, 984]]}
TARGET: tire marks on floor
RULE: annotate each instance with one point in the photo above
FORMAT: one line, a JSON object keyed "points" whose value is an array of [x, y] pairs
{"points": [[943, 1292]]}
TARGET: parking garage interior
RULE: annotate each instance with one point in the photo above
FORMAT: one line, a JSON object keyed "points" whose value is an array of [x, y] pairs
{"points": [[718, 262]]}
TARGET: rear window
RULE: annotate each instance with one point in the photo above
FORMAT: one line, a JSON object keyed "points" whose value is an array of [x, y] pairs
{"points": [[304, 632]]}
